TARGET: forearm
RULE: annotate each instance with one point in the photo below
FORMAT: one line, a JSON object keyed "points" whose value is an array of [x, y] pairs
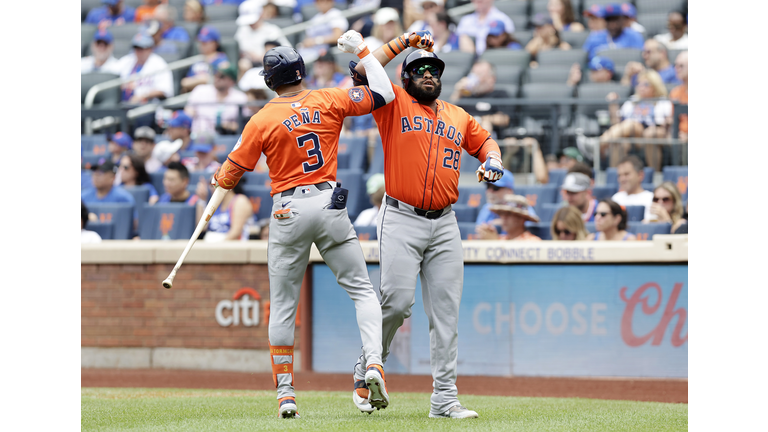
{"points": [[386, 53], [539, 166], [378, 81]]}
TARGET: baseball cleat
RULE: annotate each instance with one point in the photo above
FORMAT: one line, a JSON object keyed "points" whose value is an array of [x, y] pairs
{"points": [[288, 408], [360, 397], [457, 412], [377, 387]]}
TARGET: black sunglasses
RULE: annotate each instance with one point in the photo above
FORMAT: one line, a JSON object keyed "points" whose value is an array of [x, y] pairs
{"points": [[492, 187], [604, 214], [419, 71], [665, 199], [565, 231]]}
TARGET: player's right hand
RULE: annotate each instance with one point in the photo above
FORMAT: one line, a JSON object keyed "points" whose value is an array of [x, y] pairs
{"points": [[351, 42], [421, 40], [491, 170]]}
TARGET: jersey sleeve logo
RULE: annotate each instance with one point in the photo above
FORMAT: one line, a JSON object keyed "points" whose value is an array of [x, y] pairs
{"points": [[356, 95]]}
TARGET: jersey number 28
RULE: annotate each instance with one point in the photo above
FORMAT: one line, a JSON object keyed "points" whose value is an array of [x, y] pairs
{"points": [[451, 161], [314, 151]]}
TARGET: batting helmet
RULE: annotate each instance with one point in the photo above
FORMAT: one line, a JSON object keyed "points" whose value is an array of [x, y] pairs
{"points": [[418, 58], [282, 65]]}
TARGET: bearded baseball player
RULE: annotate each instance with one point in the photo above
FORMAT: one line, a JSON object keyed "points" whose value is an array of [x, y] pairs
{"points": [[298, 132], [423, 138]]}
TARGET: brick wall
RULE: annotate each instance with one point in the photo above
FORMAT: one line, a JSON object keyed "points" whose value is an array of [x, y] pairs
{"points": [[126, 306]]}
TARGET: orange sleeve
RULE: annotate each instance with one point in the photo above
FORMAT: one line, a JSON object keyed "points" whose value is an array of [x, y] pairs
{"points": [[479, 142], [354, 101], [249, 147]]}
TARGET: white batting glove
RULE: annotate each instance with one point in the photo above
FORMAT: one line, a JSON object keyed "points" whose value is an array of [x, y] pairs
{"points": [[491, 170], [352, 42]]}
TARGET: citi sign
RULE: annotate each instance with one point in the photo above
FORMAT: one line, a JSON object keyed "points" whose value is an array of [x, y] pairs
{"points": [[243, 308]]}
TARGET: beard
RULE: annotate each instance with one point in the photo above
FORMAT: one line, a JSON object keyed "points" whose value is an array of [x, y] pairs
{"points": [[422, 95]]}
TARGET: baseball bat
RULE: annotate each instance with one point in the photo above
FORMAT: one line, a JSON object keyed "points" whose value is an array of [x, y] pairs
{"points": [[210, 209]]}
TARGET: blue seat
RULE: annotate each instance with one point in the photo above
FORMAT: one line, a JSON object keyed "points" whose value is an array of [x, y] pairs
{"points": [[366, 232], [89, 159], [156, 179], [257, 179], [472, 196], [635, 213], [467, 230], [465, 213], [541, 230], [646, 231], [538, 194], [612, 176], [357, 200], [547, 211], [261, 199], [377, 161], [105, 230], [140, 193], [679, 176], [172, 221], [606, 191], [556, 177], [352, 153], [93, 143], [85, 179], [121, 214], [648, 186], [469, 163]]}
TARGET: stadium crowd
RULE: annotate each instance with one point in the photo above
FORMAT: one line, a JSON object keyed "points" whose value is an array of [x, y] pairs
{"points": [[631, 55]]}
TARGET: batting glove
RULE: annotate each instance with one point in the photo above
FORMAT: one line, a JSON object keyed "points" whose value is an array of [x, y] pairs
{"points": [[420, 40], [352, 42], [491, 170]]}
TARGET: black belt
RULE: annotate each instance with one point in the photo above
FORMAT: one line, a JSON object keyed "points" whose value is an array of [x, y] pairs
{"points": [[319, 186], [429, 214]]}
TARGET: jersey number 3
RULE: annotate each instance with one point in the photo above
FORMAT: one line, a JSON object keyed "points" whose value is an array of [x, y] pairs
{"points": [[313, 151]]}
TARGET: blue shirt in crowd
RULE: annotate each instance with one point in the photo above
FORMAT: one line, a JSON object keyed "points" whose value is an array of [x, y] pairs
{"points": [[668, 75], [600, 40], [102, 13], [116, 195]]}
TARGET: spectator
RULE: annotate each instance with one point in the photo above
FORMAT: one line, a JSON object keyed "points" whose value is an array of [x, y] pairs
{"points": [[427, 10], [667, 206], [194, 12], [477, 24], [180, 127], [146, 11], [375, 189], [567, 225], [85, 235], [510, 147], [104, 189], [562, 16], [577, 192], [143, 62], [631, 192], [610, 222], [214, 107], [680, 93], [133, 173], [481, 83], [175, 183], [251, 78], [545, 38], [386, 26], [615, 34], [143, 146], [601, 70], [595, 18], [499, 38], [513, 213], [252, 33], [118, 145], [231, 220], [325, 29], [494, 194], [101, 58], [256, 97], [114, 12], [209, 45], [682, 228], [446, 40], [166, 152], [569, 156], [638, 117], [327, 74], [655, 57], [204, 159], [677, 37], [630, 18], [166, 34]]}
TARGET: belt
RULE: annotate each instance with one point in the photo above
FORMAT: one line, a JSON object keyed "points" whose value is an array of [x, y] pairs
{"points": [[429, 214], [320, 186]]}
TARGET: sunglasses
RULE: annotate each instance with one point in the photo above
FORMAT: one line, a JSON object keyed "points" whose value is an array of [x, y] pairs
{"points": [[674, 26], [565, 231], [493, 187], [603, 214], [665, 199], [125, 167], [419, 71]]}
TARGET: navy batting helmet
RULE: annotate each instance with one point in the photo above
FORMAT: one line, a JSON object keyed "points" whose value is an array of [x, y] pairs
{"points": [[416, 59], [282, 65]]}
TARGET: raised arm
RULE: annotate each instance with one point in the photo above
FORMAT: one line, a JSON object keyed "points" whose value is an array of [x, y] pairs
{"points": [[352, 42], [385, 53]]}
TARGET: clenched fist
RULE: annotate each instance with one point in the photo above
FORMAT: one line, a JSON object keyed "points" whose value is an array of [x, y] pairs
{"points": [[352, 42], [421, 40]]}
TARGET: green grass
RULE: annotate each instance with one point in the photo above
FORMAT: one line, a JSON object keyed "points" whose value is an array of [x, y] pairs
{"points": [[105, 409]]}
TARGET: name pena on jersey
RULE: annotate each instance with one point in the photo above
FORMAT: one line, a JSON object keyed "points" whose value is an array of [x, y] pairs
{"points": [[294, 121], [418, 123]]}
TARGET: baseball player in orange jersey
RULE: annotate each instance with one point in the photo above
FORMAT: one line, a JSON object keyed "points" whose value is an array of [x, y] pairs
{"points": [[298, 132], [423, 138]]}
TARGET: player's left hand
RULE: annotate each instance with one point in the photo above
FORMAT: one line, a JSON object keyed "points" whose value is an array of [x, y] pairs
{"points": [[491, 170], [421, 40], [351, 42]]}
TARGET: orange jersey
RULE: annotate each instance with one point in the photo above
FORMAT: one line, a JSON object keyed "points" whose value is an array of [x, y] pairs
{"points": [[422, 149], [299, 135]]}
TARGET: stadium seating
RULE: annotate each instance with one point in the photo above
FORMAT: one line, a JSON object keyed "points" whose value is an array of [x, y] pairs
{"points": [[541, 230], [221, 12], [467, 230], [621, 56], [646, 231], [548, 74], [377, 161], [562, 58], [172, 221], [635, 213], [90, 159], [512, 7], [86, 6], [471, 196], [543, 92], [157, 181], [606, 191], [556, 177], [574, 39], [503, 58], [261, 199], [522, 36], [538, 194], [357, 200], [679, 176], [140, 194], [85, 179], [93, 143], [465, 213], [105, 230], [546, 211], [109, 98], [86, 37], [366, 232], [125, 31], [657, 6], [352, 152], [120, 214], [256, 179], [521, 21]]}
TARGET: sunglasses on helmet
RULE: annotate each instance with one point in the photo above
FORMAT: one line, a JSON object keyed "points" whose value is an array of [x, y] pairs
{"points": [[419, 71]]}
